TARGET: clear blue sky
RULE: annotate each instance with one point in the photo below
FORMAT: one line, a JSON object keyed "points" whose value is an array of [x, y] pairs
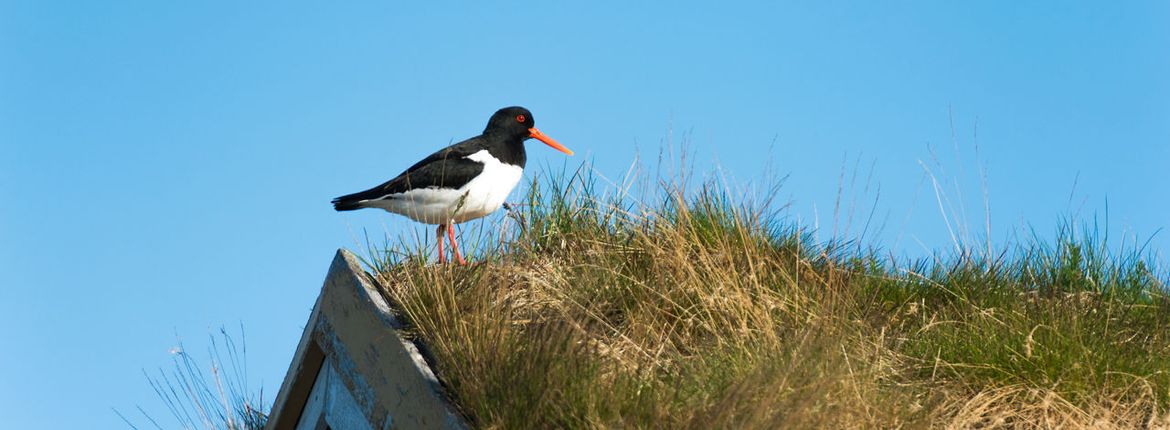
{"points": [[166, 167]]}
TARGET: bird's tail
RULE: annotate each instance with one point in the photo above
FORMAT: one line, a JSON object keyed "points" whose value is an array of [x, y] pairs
{"points": [[348, 203]]}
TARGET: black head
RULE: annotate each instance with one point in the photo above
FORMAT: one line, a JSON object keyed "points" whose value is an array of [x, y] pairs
{"points": [[511, 121], [517, 122]]}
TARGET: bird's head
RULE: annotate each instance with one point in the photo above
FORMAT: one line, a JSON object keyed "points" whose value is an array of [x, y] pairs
{"points": [[517, 121]]}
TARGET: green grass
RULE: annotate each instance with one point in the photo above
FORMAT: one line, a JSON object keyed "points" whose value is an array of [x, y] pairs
{"points": [[697, 309]]}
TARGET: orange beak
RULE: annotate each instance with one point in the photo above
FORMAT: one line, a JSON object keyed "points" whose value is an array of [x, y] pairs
{"points": [[548, 141]]}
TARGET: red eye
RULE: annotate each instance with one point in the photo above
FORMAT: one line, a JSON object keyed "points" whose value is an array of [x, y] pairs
{"points": [[520, 118]]}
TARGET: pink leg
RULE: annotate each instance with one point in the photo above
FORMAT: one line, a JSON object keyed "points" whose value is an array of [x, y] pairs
{"points": [[439, 235], [454, 245]]}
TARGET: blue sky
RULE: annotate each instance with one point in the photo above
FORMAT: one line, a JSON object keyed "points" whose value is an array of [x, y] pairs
{"points": [[166, 168]]}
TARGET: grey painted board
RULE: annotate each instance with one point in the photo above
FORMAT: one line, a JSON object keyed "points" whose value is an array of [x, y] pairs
{"points": [[353, 339], [330, 405], [313, 415]]}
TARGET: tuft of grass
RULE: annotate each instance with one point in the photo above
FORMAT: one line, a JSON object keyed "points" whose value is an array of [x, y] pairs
{"points": [[697, 309], [219, 397]]}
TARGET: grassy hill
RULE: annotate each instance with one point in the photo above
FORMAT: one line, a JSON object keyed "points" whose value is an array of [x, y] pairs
{"points": [[703, 311]]}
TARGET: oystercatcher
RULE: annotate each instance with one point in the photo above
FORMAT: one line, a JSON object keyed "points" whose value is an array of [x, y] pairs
{"points": [[462, 182]]}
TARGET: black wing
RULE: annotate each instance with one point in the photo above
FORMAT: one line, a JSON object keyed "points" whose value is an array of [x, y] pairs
{"points": [[448, 167]]}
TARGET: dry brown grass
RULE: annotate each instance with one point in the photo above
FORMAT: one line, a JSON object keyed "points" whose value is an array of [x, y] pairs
{"points": [[704, 315]]}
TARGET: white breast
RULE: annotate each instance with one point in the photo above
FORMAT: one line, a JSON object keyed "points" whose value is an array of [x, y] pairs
{"points": [[487, 192]]}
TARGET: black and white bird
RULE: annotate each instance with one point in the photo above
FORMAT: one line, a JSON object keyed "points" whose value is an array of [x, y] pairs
{"points": [[462, 182]]}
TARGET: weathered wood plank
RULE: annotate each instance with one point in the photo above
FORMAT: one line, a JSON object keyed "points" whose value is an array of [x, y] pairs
{"points": [[354, 332]]}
